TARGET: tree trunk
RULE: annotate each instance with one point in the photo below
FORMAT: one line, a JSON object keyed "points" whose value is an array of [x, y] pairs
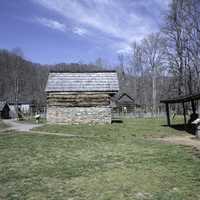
{"points": [[154, 93]]}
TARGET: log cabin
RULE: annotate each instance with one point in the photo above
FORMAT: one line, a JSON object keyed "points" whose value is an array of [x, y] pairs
{"points": [[123, 103], [80, 98], [126, 103]]}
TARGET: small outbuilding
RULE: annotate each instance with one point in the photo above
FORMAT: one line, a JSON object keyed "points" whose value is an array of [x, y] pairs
{"points": [[83, 97], [124, 103], [25, 107], [4, 110]]}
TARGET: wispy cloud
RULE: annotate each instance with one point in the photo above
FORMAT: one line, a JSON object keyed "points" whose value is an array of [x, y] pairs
{"points": [[124, 48], [52, 24], [123, 21], [56, 25], [80, 31]]}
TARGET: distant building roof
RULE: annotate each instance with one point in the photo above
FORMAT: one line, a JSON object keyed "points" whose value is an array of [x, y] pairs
{"points": [[2, 105], [20, 103], [126, 98], [106, 81]]}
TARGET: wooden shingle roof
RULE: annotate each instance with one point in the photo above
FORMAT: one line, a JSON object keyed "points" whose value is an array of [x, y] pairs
{"points": [[83, 82]]}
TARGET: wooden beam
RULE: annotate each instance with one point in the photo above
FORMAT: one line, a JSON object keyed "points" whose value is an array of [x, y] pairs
{"points": [[193, 106], [168, 115], [184, 113]]}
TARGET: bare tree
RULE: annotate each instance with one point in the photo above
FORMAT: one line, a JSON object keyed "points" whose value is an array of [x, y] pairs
{"points": [[153, 48], [182, 32], [175, 37], [99, 63], [136, 67], [122, 65], [192, 31]]}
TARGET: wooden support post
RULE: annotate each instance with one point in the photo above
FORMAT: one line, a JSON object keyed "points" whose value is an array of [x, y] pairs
{"points": [[184, 113], [168, 115], [193, 106]]}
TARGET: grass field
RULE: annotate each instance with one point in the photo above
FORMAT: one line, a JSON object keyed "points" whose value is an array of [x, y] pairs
{"points": [[118, 161], [2, 125], [130, 127]]}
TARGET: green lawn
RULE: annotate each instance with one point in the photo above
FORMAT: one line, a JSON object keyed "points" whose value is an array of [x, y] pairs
{"points": [[120, 162], [2, 125], [148, 127]]}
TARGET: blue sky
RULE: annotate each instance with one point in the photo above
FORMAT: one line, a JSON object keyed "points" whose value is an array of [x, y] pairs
{"points": [[54, 31]]}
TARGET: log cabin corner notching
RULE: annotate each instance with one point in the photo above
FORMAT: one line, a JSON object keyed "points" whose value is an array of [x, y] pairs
{"points": [[84, 97]]}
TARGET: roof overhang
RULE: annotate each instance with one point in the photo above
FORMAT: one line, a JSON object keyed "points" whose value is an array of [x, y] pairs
{"points": [[182, 99]]}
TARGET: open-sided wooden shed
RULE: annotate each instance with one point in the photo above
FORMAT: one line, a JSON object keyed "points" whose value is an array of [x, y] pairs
{"points": [[84, 97], [192, 99]]}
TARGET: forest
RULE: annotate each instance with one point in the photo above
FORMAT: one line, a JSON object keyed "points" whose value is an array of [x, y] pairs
{"points": [[163, 64]]}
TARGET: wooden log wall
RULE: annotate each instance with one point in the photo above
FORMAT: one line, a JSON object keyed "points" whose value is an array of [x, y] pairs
{"points": [[78, 99]]}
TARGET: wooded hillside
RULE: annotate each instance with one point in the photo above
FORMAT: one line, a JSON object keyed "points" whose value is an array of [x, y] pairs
{"points": [[22, 80]]}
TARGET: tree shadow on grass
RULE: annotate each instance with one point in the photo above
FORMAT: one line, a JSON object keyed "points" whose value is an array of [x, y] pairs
{"points": [[189, 128]]}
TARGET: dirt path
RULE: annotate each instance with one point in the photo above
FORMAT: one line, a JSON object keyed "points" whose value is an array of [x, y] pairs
{"points": [[27, 127], [21, 127], [187, 140]]}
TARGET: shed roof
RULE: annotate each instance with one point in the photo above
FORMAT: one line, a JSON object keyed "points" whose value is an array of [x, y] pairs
{"points": [[182, 99], [83, 82], [20, 103]]}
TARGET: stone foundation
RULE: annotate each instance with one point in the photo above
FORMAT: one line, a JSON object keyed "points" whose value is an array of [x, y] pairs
{"points": [[79, 115]]}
